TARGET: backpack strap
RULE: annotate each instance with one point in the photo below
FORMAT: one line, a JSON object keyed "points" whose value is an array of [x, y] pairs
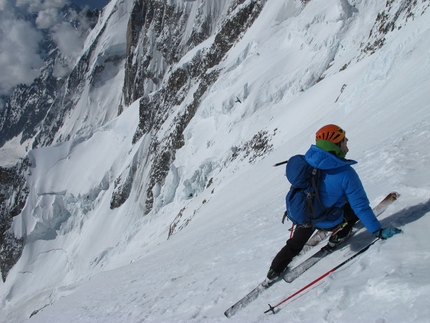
{"points": [[317, 193], [315, 186], [310, 208]]}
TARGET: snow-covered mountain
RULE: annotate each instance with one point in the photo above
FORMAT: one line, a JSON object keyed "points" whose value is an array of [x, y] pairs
{"points": [[147, 192]]}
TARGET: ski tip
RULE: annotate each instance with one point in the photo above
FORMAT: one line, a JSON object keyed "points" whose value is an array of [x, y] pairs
{"points": [[230, 312], [246, 300]]}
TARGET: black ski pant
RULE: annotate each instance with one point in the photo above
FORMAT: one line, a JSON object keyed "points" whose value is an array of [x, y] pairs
{"points": [[301, 235]]}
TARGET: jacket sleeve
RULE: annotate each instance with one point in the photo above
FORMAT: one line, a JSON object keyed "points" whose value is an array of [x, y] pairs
{"points": [[358, 200]]}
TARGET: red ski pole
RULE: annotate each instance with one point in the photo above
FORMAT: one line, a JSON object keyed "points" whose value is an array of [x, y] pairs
{"points": [[272, 308]]}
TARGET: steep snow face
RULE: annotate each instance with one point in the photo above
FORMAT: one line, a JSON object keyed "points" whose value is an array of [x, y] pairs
{"points": [[99, 98], [215, 224]]}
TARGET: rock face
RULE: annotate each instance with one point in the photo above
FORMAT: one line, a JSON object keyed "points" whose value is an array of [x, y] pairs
{"points": [[157, 32], [13, 194]]}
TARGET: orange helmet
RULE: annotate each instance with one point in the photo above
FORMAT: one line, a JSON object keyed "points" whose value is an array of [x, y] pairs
{"points": [[330, 132]]}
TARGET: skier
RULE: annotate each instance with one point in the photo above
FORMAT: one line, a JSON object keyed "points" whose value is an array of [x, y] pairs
{"points": [[340, 187]]}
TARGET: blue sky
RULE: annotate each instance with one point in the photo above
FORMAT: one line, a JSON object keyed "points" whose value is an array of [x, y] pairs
{"points": [[99, 4]]}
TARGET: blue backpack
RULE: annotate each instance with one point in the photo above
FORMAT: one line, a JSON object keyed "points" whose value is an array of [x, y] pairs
{"points": [[304, 206]]}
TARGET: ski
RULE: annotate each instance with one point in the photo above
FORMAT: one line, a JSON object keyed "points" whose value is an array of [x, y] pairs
{"points": [[320, 235], [272, 308], [252, 295], [315, 239], [292, 274]]}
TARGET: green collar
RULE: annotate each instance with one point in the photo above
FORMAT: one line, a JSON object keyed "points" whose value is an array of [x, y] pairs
{"points": [[331, 148]]}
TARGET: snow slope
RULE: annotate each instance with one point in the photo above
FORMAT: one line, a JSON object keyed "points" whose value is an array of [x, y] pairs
{"points": [[103, 265]]}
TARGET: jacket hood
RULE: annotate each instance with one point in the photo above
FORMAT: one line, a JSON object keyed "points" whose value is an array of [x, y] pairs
{"points": [[321, 159]]}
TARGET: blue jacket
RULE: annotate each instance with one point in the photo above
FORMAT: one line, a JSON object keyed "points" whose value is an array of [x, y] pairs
{"points": [[340, 183]]}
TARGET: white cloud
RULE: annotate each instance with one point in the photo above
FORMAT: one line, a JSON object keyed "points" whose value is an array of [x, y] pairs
{"points": [[19, 61], [68, 40], [4, 4], [47, 18]]}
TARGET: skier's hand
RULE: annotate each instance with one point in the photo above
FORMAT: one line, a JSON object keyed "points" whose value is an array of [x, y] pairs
{"points": [[387, 233]]}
